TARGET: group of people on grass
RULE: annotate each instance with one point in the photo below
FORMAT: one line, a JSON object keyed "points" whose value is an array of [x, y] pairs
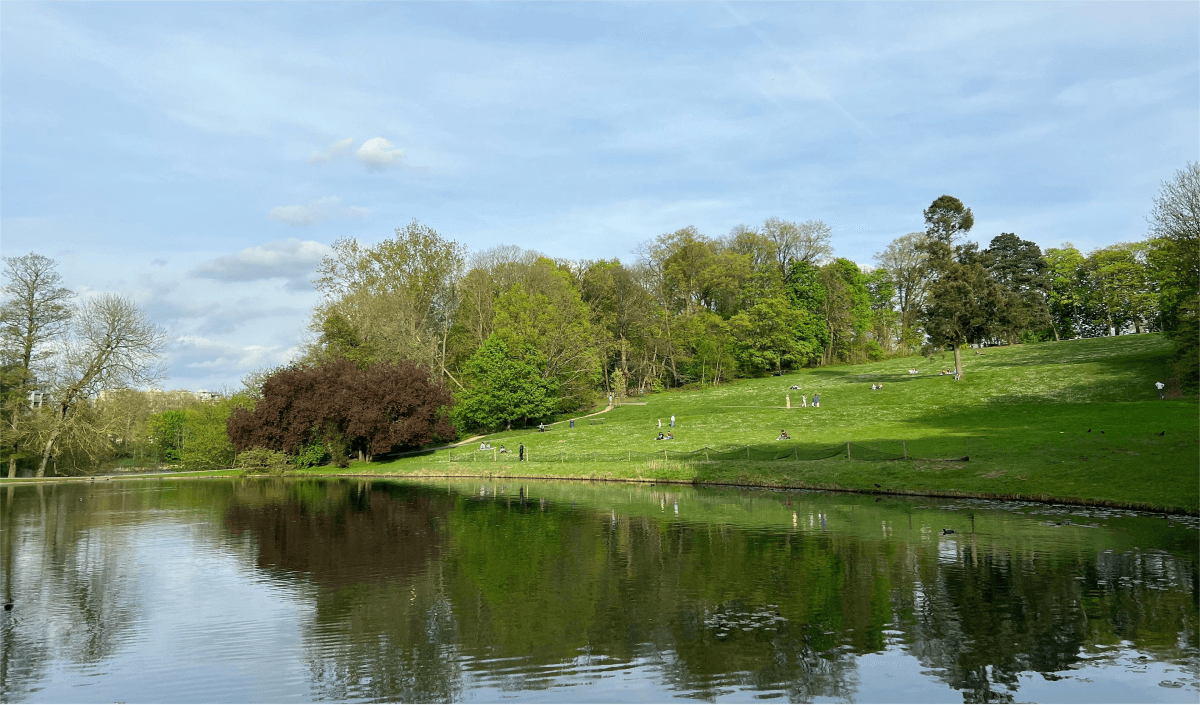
{"points": [[816, 400]]}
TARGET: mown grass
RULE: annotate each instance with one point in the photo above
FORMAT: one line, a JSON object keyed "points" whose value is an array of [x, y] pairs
{"points": [[1022, 415]]}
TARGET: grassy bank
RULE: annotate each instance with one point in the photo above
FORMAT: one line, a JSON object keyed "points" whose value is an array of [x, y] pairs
{"points": [[1074, 420]]}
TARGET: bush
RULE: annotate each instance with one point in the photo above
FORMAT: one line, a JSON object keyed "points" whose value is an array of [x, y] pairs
{"points": [[310, 455], [262, 461]]}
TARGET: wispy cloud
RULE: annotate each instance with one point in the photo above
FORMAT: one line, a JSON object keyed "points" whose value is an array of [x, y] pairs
{"points": [[291, 259], [335, 150], [377, 153], [328, 208]]}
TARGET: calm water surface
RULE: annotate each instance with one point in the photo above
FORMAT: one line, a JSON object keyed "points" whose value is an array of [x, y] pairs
{"points": [[252, 590]]}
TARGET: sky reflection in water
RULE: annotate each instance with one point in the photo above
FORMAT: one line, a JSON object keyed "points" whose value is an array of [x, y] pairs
{"points": [[254, 590]]}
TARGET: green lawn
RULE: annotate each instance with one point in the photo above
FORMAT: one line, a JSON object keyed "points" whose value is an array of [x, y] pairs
{"points": [[1021, 414]]}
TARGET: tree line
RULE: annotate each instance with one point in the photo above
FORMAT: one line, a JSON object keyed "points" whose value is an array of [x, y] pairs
{"points": [[506, 335], [519, 336]]}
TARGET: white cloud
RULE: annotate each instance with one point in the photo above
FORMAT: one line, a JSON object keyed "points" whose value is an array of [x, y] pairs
{"points": [[291, 259], [328, 208], [336, 149], [377, 153], [198, 353]]}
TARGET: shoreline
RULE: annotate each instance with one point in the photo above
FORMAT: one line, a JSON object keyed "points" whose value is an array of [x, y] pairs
{"points": [[808, 487]]}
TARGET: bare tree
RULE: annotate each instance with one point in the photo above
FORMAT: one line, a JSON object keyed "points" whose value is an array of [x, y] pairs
{"points": [[35, 311], [807, 241], [111, 345], [906, 259], [37, 308]]}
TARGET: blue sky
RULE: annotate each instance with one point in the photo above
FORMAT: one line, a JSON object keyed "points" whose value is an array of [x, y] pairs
{"points": [[201, 157]]}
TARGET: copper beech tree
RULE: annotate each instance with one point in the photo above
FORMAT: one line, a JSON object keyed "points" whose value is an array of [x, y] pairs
{"points": [[386, 406]]}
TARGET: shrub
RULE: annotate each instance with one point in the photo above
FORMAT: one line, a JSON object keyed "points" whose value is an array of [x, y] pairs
{"points": [[261, 461]]}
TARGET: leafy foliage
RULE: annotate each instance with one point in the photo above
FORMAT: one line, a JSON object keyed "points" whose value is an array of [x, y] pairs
{"points": [[504, 386], [388, 405]]}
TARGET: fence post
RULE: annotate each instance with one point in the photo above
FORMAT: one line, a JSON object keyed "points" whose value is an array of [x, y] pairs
{"points": [[847, 451], [628, 455], [495, 455], [905, 444]]}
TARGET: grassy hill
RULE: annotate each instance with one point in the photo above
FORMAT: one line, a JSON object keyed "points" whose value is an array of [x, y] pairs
{"points": [[1022, 415]]}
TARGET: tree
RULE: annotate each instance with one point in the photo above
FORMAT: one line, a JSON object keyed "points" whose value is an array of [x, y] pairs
{"points": [[1119, 287], [394, 300], [806, 292], [907, 260], [111, 345], [1174, 264], [1065, 290], [546, 312], [1018, 266], [802, 242], [963, 307], [945, 220], [35, 312], [769, 336], [504, 385], [166, 433], [36, 309], [386, 406], [846, 309], [622, 308], [881, 290]]}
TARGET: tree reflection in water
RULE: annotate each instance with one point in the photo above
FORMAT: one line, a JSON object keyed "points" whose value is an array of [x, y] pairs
{"points": [[420, 593], [424, 589]]}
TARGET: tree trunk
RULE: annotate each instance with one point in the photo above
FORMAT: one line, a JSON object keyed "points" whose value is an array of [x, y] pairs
{"points": [[46, 453], [12, 465], [958, 360]]}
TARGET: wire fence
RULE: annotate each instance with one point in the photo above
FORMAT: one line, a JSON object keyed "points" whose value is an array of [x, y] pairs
{"points": [[887, 450]]}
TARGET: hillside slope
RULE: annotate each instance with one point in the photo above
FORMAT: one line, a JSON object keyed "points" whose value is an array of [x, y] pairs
{"points": [[1077, 420]]}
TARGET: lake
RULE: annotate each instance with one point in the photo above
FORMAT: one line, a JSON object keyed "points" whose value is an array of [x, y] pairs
{"points": [[286, 590]]}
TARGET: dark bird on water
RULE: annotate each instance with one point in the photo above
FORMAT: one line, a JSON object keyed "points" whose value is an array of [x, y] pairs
{"points": [[8, 606], [947, 532]]}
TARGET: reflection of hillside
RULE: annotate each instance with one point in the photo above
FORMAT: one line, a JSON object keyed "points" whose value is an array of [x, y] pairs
{"points": [[339, 534], [424, 590]]}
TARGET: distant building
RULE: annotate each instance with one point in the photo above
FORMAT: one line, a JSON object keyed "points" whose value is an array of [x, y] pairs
{"points": [[38, 398]]}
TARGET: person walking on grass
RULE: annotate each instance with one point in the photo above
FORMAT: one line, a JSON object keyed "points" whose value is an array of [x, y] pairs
{"points": [[1159, 386], [816, 400], [660, 424], [520, 451], [803, 401], [672, 420]]}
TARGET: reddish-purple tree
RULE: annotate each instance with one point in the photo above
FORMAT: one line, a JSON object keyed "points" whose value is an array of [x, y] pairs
{"points": [[376, 410]]}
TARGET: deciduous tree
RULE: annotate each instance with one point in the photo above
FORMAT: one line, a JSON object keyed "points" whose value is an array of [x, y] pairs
{"points": [[111, 345]]}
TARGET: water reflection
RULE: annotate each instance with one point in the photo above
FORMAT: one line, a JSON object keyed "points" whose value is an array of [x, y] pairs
{"points": [[469, 591]]}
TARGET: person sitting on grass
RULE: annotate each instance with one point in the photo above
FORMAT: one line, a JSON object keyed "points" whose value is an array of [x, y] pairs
{"points": [[670, 436], [541, 428], [503, 449], [783, 436], [661, 437]]}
